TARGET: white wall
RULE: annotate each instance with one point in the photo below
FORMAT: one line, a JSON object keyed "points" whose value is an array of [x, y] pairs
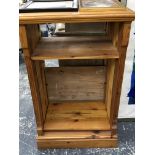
{"points": [[125, 110]]}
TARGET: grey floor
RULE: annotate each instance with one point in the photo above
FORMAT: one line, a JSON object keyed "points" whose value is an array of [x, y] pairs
{"points": [[27, 128]]}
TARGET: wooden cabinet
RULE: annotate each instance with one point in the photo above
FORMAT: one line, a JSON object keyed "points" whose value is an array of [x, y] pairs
{"points": [[76, 105]]}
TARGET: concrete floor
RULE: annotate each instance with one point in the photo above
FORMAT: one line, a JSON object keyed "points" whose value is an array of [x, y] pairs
{"points": [[27, 128]]}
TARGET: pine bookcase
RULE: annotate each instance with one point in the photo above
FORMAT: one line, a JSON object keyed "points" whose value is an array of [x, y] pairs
{"points": [[76, 104]]}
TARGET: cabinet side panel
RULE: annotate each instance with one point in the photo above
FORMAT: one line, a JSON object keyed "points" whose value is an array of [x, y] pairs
{"points": [[42, 86], [121, 43], [34, 91], [29, 36]]}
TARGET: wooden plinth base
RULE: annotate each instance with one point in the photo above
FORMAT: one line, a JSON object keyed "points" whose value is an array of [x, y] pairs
{"points": [[77, 143], [45, 142], [76, 125]]}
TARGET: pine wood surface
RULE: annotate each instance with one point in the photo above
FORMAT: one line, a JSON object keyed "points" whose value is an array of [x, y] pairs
{"points": [[77, 143], [42, 86], [29, 42], [76, 116], [74, 48], [120, 39], [58, 135], [109, 85], [75, 83], [104, 15], [94, 122], [116, 12]]}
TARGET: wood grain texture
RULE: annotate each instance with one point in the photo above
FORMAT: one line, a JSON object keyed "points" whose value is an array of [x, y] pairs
{"points": [[99, 15], [34, 92], [25, 32], [42, 86], [33, 35], [114, 31], [74, 48], [109, 85], [76, 116], [42, 68], [58, 135], [77, 143], [119, 70], [76, 110], [126, 33], [23, 36], [79, 83], [77, 105]]}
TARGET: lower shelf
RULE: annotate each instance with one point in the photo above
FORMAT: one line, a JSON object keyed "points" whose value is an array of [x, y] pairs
{"points": [[76, 115]]}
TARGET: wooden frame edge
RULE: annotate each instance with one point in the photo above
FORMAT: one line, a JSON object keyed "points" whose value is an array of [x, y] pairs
{"points": [[44, 143]]}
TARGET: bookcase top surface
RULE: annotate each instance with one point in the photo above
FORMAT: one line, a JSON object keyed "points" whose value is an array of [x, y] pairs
{"points": [[89, 11]]}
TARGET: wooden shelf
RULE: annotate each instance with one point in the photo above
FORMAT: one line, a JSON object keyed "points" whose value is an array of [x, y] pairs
{"points": [[76, 115], [74, 48], [75, 83]]}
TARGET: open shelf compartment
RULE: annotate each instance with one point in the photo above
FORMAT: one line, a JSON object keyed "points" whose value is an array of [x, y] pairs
{"points": [[76, 99], [76, 115], [90, 47]]}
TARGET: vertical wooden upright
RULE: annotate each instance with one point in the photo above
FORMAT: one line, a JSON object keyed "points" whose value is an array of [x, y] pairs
{"points": [[120, 40]]}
